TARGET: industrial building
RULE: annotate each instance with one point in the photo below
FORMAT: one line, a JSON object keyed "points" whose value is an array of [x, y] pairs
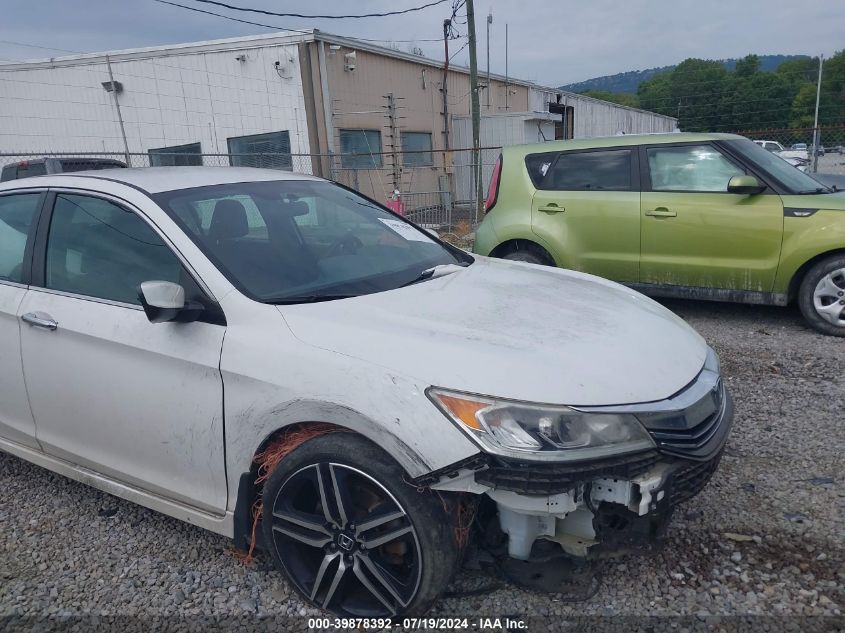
{"points": [[373, 117]]}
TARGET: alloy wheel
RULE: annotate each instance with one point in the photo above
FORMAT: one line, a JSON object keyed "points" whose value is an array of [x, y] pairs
{"points": [[829, 297], [345, 541]]}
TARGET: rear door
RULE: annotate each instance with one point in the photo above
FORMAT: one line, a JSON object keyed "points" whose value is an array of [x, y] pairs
{"points": [[139, 402], [587, 209], [695, 233], [18, 218]]}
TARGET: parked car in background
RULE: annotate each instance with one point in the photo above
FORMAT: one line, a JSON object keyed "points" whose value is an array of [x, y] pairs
{"points": [[797, 150], [42, 166], [799, 163], [128, 298], [772, 146], [707, 216]]}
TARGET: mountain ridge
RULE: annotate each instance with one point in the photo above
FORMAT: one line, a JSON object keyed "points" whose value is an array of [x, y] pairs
{"points": [[628, 81]]}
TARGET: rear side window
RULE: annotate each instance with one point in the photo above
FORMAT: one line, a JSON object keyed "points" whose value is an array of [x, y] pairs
{"points": [[85, 165], [538, 166], [16, 215], [590, 171], [25, 170]]}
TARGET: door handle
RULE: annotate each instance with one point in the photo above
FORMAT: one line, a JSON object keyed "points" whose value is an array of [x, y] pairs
{"points": [[661, 212], [552, 207], [40, 319]]}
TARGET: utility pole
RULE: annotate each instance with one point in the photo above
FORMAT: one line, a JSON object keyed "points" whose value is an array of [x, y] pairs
{"points": [[507, 77], [393, 121], [445, 89], [489, 22], [475, 107], [816, 122], [120, 116]]}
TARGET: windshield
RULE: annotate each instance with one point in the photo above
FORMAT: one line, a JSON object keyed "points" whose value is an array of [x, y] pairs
{"points": [[790, 178], [296, 241]]}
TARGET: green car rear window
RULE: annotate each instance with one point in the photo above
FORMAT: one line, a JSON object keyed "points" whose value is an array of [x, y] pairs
{"points": [[538, 166]]}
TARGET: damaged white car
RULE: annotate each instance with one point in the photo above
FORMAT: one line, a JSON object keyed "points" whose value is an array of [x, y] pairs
{"points": [[280, 360]]}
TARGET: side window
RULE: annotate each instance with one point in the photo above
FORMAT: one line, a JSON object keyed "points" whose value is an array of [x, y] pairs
{"points": [[538, 166], [27, 169], [690, 168], [99, 249], [17, 213], [608, 170]]}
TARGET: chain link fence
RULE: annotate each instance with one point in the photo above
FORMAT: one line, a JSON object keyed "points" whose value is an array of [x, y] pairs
{"points": [[829, 157], [435, 189]]}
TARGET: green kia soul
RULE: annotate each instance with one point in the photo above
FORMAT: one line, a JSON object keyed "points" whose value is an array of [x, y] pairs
{"points": [[701, 216]]}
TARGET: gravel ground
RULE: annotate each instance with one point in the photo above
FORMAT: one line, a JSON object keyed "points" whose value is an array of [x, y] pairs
{"points": [[766, 537]]}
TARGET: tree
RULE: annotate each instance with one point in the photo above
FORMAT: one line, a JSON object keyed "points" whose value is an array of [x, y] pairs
{"points": [[622, 98], [697, 86], [655, 94], [748, 66]]}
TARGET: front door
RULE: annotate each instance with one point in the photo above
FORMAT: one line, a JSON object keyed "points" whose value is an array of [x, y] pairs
{"points": [[135, 401], [18, 216], [587, 209], [695, 233]]}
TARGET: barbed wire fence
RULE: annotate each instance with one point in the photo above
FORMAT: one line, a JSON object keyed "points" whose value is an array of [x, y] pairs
{"points": [[436, 188]]}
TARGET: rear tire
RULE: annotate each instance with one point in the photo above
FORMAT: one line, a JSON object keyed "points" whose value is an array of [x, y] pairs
{"points": [[386, 550], [821, 296], [529, 253]]}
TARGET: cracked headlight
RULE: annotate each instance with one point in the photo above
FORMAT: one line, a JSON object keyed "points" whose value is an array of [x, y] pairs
{"points": [[535, 431]]}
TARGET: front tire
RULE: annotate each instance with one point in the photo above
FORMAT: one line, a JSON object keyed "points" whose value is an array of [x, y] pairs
{"points": [[821, 296], [351, 536]]}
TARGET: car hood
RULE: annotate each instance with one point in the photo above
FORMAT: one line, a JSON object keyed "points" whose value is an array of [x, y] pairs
{"points": [[514, 330], [822, 201]]}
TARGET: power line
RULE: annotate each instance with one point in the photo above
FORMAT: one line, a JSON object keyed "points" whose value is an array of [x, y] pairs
{"points": [[321, 17], [46, 48], [279, 28], [227, 17]]}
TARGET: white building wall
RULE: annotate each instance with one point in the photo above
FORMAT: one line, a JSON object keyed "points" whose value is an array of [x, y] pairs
{"points": [[593, 117], [172, 98], [497, 130]]}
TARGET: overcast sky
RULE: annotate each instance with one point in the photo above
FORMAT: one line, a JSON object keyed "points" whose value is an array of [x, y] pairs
{"points": [[551, 42]]}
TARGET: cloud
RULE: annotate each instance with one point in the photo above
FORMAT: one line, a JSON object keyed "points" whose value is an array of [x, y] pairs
{"points": [[550, 42]]}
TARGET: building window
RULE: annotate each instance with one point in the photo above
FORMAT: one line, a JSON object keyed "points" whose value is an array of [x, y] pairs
{"points": [[360, 149], [176, 156], [419, 146], [271, 150]]}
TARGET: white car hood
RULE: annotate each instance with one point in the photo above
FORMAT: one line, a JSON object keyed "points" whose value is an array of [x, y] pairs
{"points": [[514, 330]]}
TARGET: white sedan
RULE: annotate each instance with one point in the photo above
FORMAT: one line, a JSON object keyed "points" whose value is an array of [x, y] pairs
{"points": [[231, 346]]}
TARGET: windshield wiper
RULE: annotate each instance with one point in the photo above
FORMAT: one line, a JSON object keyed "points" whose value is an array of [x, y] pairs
{"points": [[434, 272], [312, 298]]}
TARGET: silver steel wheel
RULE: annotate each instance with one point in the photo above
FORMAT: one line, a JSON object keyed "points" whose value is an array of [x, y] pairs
{"points": [[829, 297], [345, 541]]}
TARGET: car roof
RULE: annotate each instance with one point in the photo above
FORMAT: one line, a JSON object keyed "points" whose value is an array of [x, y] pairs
{"points": [[158, 179], [623, 140]]}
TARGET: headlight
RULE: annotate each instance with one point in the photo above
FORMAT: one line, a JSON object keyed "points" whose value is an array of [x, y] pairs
{"points": [[541, 431]]}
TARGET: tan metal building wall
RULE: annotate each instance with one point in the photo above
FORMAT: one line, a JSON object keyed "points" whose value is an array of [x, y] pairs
{"points": [[359, 101]]}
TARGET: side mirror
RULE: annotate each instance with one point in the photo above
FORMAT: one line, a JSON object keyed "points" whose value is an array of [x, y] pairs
{"points": [[164, 301], [433, 233], [745, 185]]}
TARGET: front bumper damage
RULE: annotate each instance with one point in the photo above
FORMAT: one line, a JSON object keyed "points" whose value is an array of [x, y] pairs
{"points": [[602, 507]]}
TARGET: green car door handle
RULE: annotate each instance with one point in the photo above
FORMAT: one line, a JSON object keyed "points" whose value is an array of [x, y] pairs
{"points": [[552, 208], [661, 212]]}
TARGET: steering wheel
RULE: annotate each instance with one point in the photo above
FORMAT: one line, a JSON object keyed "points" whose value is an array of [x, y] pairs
{"points": [[347, 244]]}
